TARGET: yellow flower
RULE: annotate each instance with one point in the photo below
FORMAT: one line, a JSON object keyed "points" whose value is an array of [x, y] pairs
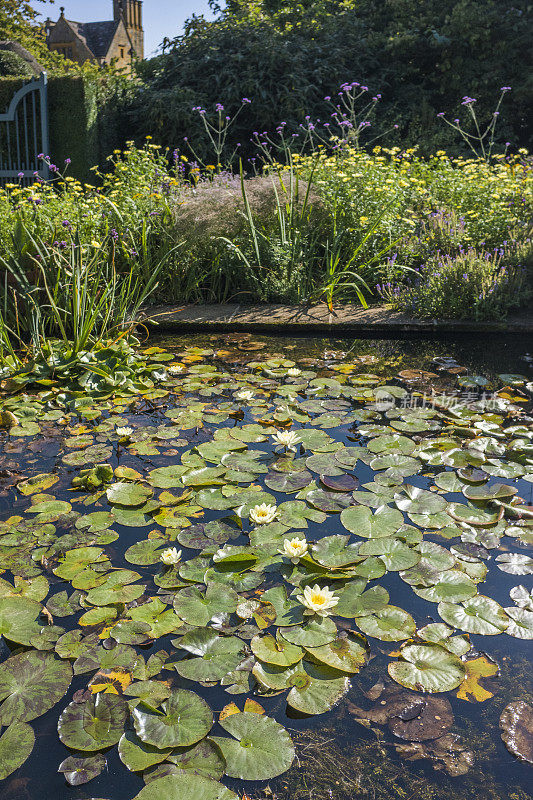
{"points": [[263, 514], [294, 548], [318, 601]]}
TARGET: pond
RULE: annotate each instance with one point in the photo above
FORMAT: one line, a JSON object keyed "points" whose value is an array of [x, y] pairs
{"points": [[271, 569]]}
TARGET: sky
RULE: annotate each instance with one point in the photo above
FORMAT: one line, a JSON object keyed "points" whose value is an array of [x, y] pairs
{"points": [[160, 17]]}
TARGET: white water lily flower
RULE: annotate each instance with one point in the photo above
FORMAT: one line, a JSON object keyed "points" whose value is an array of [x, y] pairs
{"points": [[171, 556], [522, 597], [262, 514], [294, 548], [318, 601], [288, 439], [124, 433], [293, 372], [245, 395], [175, 369]]}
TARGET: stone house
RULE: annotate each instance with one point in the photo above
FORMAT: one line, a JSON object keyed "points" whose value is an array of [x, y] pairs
{"points": [[119, 41]]}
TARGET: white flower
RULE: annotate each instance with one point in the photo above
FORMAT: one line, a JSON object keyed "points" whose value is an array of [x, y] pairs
{"points": [[294, 548], [288, 439], [244, 395], [124, 433], [522, 597], [293, 372], [175, 369], [171, 556], [263, 514], [318, 601]]}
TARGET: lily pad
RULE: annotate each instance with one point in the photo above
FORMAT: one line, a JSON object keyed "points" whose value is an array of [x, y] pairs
{"points": [[138, 755], [213, 655], [391, 624], [30, 684], [16, 745], [362, 522], [276, 651], [428, 668], [94, 724], [479, 614], [78, 771], [349, 652], [183, 719], [260, 750], [185, 787]]}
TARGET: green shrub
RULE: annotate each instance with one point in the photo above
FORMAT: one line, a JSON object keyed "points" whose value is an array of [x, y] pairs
{"points": [[474, 284], [13, 65]]}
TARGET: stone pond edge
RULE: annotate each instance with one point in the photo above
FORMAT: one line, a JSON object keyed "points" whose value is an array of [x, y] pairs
{"points": [[346, 319]]}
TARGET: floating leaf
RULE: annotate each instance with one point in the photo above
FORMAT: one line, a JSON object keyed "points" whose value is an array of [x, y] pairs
{"points": [[348, 652], [82, 770], [30, 684], [93, 724], [275, 651], [428, 668], [213, 655], [16, 745], [471, 688], [138, 755], [185, 787], [261, 748], [197, 608], [361, 521], [183, 719], [391, 624], [479, 614]]}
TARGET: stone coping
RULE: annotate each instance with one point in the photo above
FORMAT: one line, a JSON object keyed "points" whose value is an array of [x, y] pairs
{"points": [[346, 319]]}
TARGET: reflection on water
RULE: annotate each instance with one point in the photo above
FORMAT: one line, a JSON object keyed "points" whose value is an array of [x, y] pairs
{"points": [[340, 754]]}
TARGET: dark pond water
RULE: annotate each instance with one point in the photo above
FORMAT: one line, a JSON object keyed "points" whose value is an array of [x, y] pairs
{"points": [[466, 391]]}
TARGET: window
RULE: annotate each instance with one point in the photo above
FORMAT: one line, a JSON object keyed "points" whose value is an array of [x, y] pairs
{"points": [[121, 52]]}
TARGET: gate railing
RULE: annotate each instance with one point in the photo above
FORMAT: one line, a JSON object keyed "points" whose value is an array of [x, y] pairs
{"points": [[24, 134]]}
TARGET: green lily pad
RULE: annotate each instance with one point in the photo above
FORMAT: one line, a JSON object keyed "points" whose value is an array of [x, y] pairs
{"points": [[521, 623], [275, 651], [427, 668], [18, 617], [362, 522], [30, 684], [138, 755], [94, 724], [353, 602], [479, 614], [391, 624], [313, 633], [260, 750], [213, 655], [451, 586], [314, 688], [203, 759], [349, 652], [183, 719], [16, 745], [334, 551], [129, 494], [185, 787], [197, 608]]}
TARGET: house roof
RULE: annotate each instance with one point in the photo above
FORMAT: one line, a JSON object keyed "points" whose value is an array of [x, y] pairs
{"points": [[96, 35]]}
